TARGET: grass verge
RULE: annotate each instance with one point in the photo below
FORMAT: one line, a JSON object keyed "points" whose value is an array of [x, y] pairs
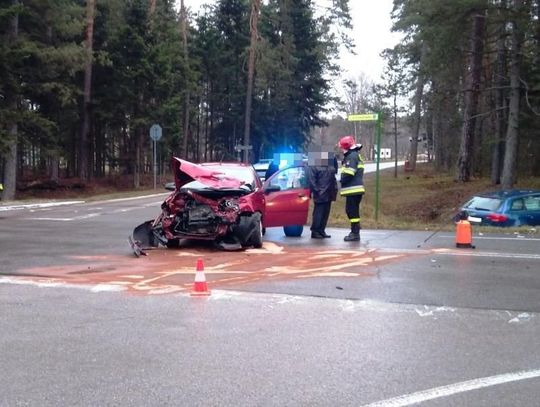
{"points": [[423, 200]]}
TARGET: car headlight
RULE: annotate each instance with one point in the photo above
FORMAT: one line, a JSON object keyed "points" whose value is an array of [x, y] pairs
{"points": [[230, 205]]}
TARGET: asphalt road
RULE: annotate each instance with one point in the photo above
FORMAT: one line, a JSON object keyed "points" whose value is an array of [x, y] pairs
{"points": [[400, 319]]}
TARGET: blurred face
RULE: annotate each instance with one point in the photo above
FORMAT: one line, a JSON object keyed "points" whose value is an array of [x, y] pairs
{"points": [[321, 156]]}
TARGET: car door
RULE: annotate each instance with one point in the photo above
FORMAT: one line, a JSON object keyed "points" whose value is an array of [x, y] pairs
{"points": [[287, 198], [531, 214]]}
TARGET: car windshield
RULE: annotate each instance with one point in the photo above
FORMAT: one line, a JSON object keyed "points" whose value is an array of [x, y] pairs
{"points": [[484, 203]]}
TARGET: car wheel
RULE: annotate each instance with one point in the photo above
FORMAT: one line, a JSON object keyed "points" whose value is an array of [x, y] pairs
{"points": [[293, 231], [257, 236], [173, 243]]}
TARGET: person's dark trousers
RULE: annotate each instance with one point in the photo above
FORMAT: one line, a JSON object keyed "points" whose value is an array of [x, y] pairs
{"points": [[321, 212], [352, 209]]}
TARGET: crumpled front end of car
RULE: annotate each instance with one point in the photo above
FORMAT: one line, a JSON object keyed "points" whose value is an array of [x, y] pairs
{"points": [[208, 203], [191, 215]]}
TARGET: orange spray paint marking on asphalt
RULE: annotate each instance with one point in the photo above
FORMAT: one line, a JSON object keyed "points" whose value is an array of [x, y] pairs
{"points": [[166, 271]]}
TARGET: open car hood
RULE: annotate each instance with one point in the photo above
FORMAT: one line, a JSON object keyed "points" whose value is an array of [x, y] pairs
{"points": [[185, 172]]}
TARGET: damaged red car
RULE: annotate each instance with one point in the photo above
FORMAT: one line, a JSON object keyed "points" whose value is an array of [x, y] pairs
{"points": [[226, 203]]}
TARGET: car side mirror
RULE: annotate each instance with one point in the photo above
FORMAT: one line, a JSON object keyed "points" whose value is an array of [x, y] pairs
{"points": [[271, 188]]}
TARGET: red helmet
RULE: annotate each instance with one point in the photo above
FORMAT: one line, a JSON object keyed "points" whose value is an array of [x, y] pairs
{"points": [[345, 143]]}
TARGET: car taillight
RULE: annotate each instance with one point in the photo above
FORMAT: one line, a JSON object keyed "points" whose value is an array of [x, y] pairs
{"points": [[497, 218]]}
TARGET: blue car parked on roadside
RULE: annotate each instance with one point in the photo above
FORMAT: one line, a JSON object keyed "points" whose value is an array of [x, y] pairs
{"points": [[505, 208]]}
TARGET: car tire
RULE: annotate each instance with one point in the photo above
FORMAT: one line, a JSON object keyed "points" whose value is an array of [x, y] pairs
{"points": [[293, 231], [257, 236], [173, 243]]}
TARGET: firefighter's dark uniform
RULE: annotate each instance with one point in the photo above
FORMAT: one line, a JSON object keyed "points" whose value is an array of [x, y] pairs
{"points": [[352, 188]]}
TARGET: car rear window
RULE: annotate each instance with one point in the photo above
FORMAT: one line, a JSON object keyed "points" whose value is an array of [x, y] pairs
{"points": [[484, 203]]}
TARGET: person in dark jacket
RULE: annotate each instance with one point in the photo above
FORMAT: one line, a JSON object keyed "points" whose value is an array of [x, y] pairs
{"points": [[352, 184], [273, 167], [321, 172]]}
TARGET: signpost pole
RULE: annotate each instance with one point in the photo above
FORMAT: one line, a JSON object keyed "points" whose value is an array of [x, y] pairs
{"points": [[379, 120], [155, 163], [367, 118]]}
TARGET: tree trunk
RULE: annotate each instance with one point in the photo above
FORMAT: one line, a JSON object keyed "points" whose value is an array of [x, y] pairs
{"points": [[417, 115], [198, 143], [500, 108], [395, 108], [84, 148], [53, 169], [512, 131], [470, 108], [253, 21], [435, 129], [185, 114], [152, 7], [429, 134], [536, 63], [139, 139], [10, 168], [443, 111]]}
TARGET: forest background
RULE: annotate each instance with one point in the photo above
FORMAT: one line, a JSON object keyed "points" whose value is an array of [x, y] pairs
{"points": [[81, 82]]}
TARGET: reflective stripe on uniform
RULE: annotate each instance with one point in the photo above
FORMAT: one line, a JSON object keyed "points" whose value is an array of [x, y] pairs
{"points": [[354, 220], [356, 189], [350, 171], [360, 165]]}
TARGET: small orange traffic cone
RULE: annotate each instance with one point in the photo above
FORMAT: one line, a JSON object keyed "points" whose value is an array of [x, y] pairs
{"points": [[200, 288], [464, 232]]}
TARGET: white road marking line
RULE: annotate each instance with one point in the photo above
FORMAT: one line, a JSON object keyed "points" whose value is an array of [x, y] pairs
{"points": [[37, 205], [49, 283], [52, 204], [53, 219], [90, 215], [520, 238], [463, 252], [522, 317], [106, 288], [498, 255], [133, 208], [130, 198], [451, 389]]}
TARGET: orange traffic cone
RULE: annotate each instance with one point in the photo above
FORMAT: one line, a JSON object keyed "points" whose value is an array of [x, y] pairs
{"points": [[200, 288], [464, 232]]}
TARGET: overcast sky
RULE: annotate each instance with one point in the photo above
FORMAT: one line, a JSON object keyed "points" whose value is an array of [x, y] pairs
{"points": [[371, 34]]}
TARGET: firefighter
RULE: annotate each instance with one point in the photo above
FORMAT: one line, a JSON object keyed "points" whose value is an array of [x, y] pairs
{"points": [[352, 184]]}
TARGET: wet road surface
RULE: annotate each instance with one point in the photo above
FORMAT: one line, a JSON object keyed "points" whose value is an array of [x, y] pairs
{"points": [[298, 322]]}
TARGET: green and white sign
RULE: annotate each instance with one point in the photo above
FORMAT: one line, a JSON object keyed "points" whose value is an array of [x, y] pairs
{"points": [[363, 117]]}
